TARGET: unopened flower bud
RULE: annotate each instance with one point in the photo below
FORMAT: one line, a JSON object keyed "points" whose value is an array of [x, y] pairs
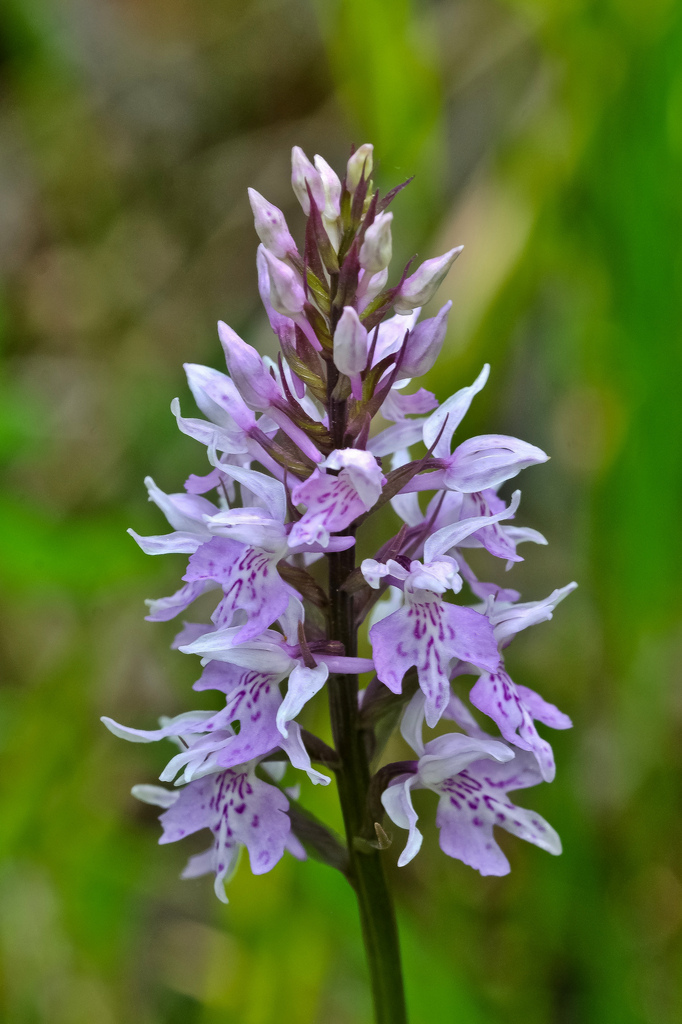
{"points": [[421, 286], [302, 172], [350, 343], [286, 291], [332, 188], [271, 227], [375, 284], [377, 247], [424, 344], [249, 373], [361, 161]]}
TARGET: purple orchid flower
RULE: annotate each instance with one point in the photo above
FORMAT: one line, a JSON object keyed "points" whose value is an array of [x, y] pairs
{"points": [[302, 450], [427, 631], [253, 699], [270, 652], [240, 810], [472, 775], [334, 500], [472, 801]]}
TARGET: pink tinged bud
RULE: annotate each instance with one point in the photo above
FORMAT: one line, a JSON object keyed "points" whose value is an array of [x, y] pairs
{"points": [[424, 344], [421, 286], [247, 370], [370, 286], [259, 389], [377, 247], [361, 161], [281, 325], [271, 227], [286, 291], [332, 189], [284, 306], [302, 172], [350, 344]]}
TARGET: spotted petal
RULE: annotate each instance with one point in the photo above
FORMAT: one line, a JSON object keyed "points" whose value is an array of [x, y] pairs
{"points": [[250, 583]]}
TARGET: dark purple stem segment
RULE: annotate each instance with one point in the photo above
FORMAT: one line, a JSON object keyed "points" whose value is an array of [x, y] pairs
{"points": [[377, 915]]}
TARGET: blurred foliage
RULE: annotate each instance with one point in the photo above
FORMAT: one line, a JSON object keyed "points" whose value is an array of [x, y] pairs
{"points": [[547, 137]]}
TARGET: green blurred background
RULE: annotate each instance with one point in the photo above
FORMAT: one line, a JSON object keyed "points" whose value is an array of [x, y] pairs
{"points": [[545, 135]]}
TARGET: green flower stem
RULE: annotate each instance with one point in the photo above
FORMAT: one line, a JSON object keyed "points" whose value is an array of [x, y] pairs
{"points": [[377, 916]]}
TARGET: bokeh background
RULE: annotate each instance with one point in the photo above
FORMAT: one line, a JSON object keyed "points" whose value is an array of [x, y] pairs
{"points": [[545, 135]]}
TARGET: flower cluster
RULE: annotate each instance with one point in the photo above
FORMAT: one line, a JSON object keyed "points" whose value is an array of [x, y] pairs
{"points": [[297, 465]]}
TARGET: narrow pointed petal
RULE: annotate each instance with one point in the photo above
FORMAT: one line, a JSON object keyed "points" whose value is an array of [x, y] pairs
{"points": [[157, 796], [445, 420], [510, 619], [397, 801], [304, 683], [489, 460], [449, 537], [179, 542]]}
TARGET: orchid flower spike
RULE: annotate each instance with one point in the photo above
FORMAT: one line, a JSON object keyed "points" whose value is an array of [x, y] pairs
{"points": [[305, 445]]}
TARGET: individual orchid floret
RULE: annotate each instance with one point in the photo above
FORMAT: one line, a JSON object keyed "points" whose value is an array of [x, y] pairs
{"points": [[424, 343], [420, 287], [473, 799], [240, 810], [359, 165], [249, 580], [428, 632], [209, 741], [242, 558], [269, 652], [377, 247], [305, 176], [335, 500], [446, 756], [238, 550], [350, 348], [271, 226]]}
